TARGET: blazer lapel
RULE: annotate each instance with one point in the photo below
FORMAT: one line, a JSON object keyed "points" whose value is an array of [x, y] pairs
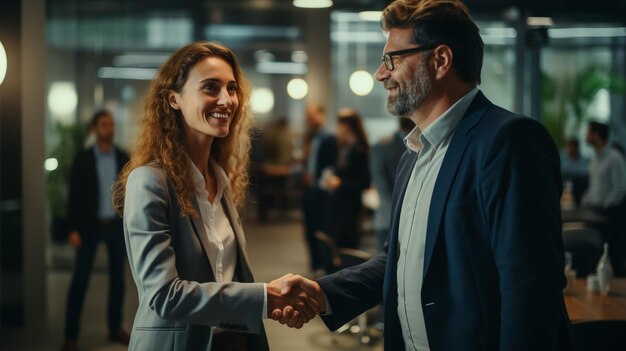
{"points": [[235, 223], [198, 228], [448, 170], [407, 163]]}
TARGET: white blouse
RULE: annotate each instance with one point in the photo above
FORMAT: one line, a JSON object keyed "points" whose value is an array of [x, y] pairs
{"points": [[222, 243]]}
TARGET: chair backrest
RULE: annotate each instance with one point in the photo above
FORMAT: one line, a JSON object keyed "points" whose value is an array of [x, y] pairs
{"points": [[328, 251], [585, 244], [335, 258], [599, 335]]}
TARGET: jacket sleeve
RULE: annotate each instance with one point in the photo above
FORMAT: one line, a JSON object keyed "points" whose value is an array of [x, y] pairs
{"points": [[74, 191], [152, 259], [520, 188], [354, 290]]}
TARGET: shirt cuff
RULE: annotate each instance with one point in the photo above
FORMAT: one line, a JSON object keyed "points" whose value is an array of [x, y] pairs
{"points": [[328, 311], [264, 315]]}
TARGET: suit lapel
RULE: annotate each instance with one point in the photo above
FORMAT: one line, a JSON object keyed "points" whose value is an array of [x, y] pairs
{"points": [[407, 163], [198, 228], [449, 167], [242, 256]]}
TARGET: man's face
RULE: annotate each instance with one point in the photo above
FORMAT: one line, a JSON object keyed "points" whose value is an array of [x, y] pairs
{"points": [[314, 118], [104, 129], [410, 81]]}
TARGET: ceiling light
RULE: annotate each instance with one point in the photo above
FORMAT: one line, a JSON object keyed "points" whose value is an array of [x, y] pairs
{"points": [[297, 88], [62, 101], [312, 4], [3, 63], [539, 21], [262, 100], [370, 15], [361, 83]]}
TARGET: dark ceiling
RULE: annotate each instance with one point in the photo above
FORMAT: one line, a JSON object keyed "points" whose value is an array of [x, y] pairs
{"points": [[281, 11]]}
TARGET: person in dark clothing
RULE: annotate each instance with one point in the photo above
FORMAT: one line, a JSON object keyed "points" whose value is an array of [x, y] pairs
{"points": [[320, 150], [345, 182], [92, 220]]}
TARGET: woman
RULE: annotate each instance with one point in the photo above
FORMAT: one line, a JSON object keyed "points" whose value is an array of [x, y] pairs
{"points": [[178, 196], [347, 180]]}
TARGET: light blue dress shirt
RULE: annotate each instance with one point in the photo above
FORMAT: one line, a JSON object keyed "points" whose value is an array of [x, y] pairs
{"points": [[106, 167], [607, 181], [431, 146]]}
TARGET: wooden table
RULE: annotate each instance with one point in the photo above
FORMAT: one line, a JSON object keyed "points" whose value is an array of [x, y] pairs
{"points": [[584, 215], [584, 305]]}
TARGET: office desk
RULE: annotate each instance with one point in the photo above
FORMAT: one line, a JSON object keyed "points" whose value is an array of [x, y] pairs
{"points": [[583, 305]]}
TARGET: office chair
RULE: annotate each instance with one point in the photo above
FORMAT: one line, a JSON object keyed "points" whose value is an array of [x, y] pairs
{"points": [[585, 244], [334, 259]]}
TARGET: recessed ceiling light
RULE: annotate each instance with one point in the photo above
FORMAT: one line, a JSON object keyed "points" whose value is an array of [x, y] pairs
{"points": [[312, 4]]}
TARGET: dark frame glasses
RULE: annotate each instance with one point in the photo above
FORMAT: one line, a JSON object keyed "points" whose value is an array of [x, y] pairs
{"points": [[388, 56]]}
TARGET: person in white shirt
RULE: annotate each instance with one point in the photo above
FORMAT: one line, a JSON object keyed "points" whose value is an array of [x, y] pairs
{"points": [[179, 195], [607, 190]]}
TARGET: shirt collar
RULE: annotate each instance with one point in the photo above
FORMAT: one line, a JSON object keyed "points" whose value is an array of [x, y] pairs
{"points": [[198, 180], [99, 153], [442, 127]]}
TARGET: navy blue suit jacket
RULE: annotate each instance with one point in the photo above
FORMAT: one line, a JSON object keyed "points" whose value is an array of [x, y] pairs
{"points": [[493, 264]]}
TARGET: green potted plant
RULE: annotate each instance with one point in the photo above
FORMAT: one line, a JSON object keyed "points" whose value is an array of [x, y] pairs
{"points": [[70, 140], [573, 96]]}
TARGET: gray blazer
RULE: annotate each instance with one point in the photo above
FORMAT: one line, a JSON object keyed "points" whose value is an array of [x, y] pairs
{"points": [[179, 300]]}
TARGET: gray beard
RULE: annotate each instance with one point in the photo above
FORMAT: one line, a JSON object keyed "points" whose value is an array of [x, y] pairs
{"points": [[408, 100]]}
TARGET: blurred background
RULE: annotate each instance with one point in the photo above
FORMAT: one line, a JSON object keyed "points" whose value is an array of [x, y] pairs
{"points": [[561, 62]]}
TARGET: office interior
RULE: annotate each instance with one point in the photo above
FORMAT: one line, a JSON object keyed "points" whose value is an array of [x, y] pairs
{"points": [[561, 62]]}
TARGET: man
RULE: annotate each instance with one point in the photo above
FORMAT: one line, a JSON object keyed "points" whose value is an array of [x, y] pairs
{"points": [[607, 187], [474, 259], [92, 220], [383, 164], [320, 151]]}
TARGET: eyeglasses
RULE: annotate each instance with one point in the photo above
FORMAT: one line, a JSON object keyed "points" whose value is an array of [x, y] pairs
{"points": [[388, 57]]}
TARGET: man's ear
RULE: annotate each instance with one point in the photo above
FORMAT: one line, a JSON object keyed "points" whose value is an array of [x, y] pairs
{"points": [[442, 57], [173, 101]]}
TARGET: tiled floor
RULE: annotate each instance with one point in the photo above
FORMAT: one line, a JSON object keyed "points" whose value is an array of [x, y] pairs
{"points": [[275, 248]]}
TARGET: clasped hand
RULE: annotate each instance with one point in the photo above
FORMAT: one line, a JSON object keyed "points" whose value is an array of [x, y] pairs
{"points": [[294, 300]]}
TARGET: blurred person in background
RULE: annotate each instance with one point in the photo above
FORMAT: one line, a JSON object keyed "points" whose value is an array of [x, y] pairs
{"points": [[383, 165], [607, 190], [346, 180], [575, 168], [179, 196], [320, 152], [93, 220]]}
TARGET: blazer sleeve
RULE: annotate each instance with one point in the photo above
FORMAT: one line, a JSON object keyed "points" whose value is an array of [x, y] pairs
{"points": [[354, 290], [74, 191], [520, 188], [153, 262]]}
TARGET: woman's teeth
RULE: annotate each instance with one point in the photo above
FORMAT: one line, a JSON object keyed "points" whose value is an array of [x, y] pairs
{"points": [[218, 115]]}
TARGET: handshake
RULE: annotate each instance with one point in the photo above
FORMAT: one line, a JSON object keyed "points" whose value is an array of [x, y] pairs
{"points": [[294, 300]]}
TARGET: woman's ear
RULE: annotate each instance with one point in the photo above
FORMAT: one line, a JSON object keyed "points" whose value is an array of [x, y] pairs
{"points": [[173, 101]]}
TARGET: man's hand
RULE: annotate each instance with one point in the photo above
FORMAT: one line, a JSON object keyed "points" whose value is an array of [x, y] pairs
{"points": [[295, 284], [291, 306], [74, 239]]}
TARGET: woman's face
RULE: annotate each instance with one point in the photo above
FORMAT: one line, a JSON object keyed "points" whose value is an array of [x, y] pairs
{"points": [[344, 134], [208, 100]]}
